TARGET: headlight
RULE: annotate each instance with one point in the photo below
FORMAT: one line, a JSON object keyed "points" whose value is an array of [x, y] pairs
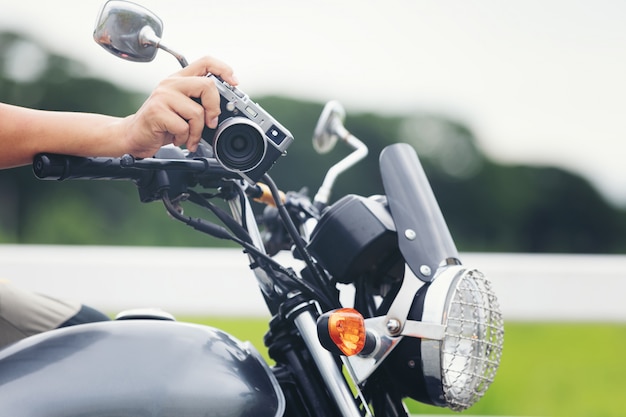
{"points": [[461, 367], [456, 370]]}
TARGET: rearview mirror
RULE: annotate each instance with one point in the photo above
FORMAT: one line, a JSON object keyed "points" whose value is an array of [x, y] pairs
{"points": [[329, 127], [128, 31]]}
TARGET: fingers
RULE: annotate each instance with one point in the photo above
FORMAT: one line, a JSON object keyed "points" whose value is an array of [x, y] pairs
{"points": [[193, 115], [187, 117], [210, 65], [199, 86]]}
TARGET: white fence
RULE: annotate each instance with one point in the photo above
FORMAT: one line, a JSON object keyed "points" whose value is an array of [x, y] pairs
{"points": [[218, 282]]}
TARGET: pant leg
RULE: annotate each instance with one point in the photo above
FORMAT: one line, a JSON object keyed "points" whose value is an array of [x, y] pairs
{"points": [[24, 313], [85, 314]]}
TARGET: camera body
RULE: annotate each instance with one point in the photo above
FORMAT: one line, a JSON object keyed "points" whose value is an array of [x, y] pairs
{"points": [[247, 139]]}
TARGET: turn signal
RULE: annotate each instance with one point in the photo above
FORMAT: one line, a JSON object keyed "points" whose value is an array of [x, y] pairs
{"points": [[342, 331]]}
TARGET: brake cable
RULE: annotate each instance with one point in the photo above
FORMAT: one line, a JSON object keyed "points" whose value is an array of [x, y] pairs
{"points": [[222, 215], [220, 232]]}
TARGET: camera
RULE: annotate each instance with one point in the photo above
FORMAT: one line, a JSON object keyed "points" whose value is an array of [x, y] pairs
{"points": [[247, 139]]}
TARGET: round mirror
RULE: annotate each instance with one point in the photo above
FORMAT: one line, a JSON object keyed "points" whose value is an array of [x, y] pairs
{"points": [[128, 31], [329, 127]]}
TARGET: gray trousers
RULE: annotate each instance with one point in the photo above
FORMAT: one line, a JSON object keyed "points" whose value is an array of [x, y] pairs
{"points": [[24, 313]]}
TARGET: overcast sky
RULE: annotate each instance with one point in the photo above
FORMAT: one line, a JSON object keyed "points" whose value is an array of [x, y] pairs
{"points": [[541, 82]]}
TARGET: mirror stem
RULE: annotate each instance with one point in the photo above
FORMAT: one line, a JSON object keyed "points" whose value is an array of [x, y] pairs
{"points": [[181, 59], [360, 152], [147, 37]]}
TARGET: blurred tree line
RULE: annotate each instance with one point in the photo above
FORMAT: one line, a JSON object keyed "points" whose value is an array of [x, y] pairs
{"points": [[488, 206]]}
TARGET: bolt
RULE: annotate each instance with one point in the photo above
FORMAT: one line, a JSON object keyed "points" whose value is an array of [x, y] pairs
{"points": [[410, 234], [394, 326], [425, 270]]}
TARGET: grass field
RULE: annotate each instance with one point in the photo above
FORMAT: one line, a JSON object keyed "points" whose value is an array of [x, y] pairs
{"points": [[547, 369]]}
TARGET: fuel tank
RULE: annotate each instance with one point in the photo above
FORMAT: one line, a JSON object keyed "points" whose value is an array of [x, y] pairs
{"points": [[138, 368]]}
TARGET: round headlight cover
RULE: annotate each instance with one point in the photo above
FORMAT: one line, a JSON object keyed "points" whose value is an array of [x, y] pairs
{"points": [[462, 366], [456, 371]]}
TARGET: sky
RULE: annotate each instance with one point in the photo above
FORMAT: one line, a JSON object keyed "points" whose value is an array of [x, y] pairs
{"points": [[538, 82]]}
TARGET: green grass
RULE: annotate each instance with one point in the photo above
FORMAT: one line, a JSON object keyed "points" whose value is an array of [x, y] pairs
{"points": [[551, 369]]}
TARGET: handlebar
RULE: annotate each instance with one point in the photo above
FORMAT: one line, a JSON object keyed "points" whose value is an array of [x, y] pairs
{"points": [[50, 166], [151, 175]]}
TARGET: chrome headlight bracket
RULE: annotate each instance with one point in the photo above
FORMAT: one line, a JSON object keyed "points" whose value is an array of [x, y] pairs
{"points": [[388, 330]]}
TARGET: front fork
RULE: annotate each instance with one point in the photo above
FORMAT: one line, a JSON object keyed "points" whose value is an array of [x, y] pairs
{"points": [[310, 375]]}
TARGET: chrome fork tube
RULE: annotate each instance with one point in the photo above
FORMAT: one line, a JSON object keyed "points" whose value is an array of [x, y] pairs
{"points": [[305, 321], [239, 213], [334, 380]]}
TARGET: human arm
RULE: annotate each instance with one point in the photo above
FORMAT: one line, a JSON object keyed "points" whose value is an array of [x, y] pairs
{"points": [[169, 115]]}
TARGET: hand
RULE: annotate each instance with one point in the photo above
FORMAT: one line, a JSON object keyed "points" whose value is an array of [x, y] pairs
{"points": [[170, 115]]}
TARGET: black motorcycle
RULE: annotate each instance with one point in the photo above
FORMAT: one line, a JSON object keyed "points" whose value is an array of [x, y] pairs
{"points": [[375, 308]]}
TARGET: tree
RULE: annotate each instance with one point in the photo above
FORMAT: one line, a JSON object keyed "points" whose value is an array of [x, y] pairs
{"points": [[488, 206]]}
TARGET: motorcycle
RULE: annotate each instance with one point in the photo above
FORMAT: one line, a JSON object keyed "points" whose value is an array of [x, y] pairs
{"points": [[376, 307]]}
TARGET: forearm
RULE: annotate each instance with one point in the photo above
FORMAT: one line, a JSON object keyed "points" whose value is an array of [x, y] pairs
{"points": [[26, 132], [167, 116]]}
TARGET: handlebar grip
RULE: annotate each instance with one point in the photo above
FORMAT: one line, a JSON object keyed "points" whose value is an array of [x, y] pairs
{"points": [[50, 166]]}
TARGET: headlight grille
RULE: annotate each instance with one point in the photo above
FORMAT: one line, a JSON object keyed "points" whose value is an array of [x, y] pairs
{"points": [[473, 343]]}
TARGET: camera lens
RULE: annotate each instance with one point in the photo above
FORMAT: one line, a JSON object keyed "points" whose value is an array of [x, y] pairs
{"points": [[239, 144]]}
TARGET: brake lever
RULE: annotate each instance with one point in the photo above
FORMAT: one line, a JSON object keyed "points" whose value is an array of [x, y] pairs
{"points": [[193, 165]]}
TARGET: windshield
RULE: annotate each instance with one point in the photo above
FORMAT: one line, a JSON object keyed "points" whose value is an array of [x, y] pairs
{"points": [[424, 238]]}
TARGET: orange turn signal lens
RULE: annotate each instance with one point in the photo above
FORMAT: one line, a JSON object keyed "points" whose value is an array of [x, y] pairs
{"points": [[345, 327]]}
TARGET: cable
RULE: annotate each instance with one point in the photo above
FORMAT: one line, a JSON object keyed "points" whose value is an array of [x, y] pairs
{"points": [[224, 217], [260, 257], [322, 282]]}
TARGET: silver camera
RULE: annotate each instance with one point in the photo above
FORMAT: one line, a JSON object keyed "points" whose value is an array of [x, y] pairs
{"points": [[247, 139]]}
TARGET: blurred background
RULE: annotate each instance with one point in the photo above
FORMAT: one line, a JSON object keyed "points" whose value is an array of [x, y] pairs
{"points": [[515, 108]]}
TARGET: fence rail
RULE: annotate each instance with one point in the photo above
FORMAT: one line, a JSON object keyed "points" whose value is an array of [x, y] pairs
{"points": [[530, 287]]}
